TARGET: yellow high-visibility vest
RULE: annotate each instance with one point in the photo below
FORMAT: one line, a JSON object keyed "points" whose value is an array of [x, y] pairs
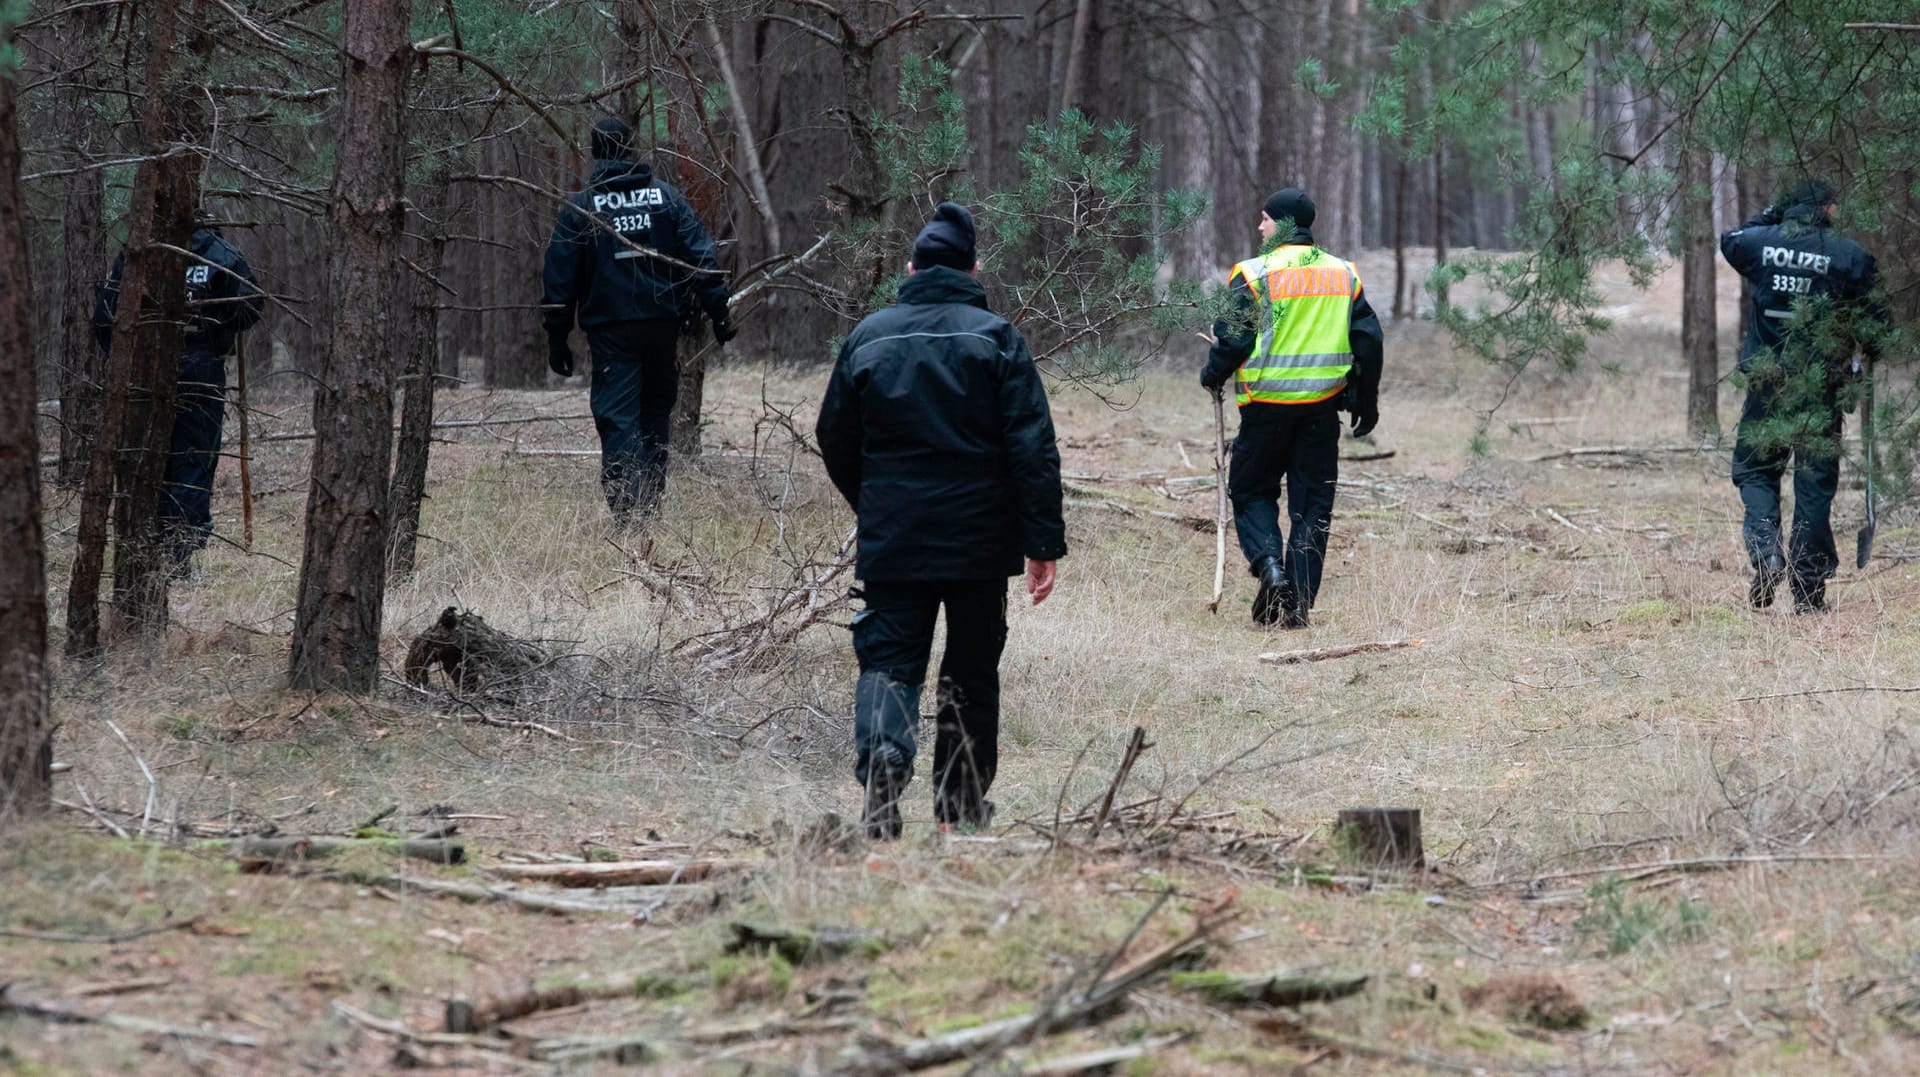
{"points": [[1302, 354]]}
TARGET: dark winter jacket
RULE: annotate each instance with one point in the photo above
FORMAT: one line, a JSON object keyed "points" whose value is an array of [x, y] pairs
{"points": [[222, 300], [1235, 335], [936, 429], [1796, 255], [593, 269]]}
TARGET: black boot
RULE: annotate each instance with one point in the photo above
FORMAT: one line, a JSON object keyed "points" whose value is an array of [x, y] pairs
{"points": [[1293, 608], [1767, 574], [1269, 602], [1810, 598], [882, 812]]}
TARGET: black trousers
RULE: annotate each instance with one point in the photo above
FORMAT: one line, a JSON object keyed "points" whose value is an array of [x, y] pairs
{"points": [[1300, 444], [186, 491], [893, 639], [635, 380], [1811, 556]]}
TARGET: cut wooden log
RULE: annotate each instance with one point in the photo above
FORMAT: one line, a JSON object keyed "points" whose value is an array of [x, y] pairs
{"points": [[619, 873], [801, 947], [462, 1015], [1281, 988], [475, 655], [1101, 1061], [1382, 837], [1324, 654], [314, 847]]}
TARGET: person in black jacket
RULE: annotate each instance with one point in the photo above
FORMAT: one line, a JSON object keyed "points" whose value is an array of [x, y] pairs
{"points": [[1809, 301], [629, 261], [935, 428], [222, 303]]}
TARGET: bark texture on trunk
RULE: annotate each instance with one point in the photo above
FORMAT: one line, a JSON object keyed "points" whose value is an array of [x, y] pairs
{"points": [[83, 369], [84, 637], [26, 723], [336, 637], [1699, 314]]}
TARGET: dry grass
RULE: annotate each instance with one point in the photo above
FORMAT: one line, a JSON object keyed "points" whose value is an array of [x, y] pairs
{"points": [[1577, 705]]}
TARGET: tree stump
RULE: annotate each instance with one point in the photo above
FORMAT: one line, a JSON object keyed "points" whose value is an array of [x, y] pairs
{"points": [[475, 655], [1384, 837]]}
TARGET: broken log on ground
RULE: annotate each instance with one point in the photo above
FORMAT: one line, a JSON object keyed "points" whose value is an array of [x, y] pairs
{"points": [[475, 655], [619, 872], [1325, 654], [315, 847], [1281, 988], [1381, 837], [464, 1015]]}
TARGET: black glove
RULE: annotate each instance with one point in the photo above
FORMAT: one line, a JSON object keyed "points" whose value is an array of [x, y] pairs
{"points": [[1212, 381], [1772, 215], [723, 329], [1365, 418], [559, 355]]}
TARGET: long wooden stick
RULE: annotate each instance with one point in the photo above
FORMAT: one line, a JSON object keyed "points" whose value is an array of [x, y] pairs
{"points": [[246, 456], [1220, 488], [1288, 658]]}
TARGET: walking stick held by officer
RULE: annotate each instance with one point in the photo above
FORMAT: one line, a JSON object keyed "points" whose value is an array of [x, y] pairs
{"points": [[1863, 542], [246, 455], [1220, 491]]}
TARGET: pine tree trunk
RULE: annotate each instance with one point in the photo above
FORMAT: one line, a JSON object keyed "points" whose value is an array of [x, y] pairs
{"points": [[83, 369], [683, 433], [336, 635], [26, 720], [1699, 318], [142, 267], [416, 409], [141, 569]]}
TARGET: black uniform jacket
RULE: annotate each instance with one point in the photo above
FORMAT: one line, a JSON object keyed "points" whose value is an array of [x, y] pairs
{"points": [[935, 428], [1235, 335], [592, 272], [222, 300], [1792, 256]]}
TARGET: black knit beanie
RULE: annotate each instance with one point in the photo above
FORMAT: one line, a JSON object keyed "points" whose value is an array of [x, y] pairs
{"points": [[1291, 203], [612, 139], [947, 239]]}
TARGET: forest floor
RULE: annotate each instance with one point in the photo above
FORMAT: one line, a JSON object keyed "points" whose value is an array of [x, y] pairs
{"points": [[1665, 833]]}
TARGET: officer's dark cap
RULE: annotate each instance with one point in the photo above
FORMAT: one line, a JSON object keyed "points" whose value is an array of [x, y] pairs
{"points": [[612, 139], [947, 239], [1290, 204]]}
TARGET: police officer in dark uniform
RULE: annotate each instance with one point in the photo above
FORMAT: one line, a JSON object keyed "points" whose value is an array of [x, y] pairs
{"points": [[222, 303], [629, 260], [936, 429], [1810, 298]]}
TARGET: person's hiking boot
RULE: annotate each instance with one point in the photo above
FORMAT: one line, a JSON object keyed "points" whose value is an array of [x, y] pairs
{"points": [[881, 815], [1811, 598], [968, 815], [1767, 575], [1293, 608], [1270, 600]]}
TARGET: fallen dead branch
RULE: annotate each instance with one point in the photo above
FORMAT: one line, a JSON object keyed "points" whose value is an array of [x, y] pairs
{"points": [[451, 424], [1635, 872], [314, 848], [1136, 747], [1269, 988], [619, 873], [15, 1001], [118, 987], [526, 899], [107, 939], [1327, 654], [1103, 1060], [1092, 1005], [1617, 450], [1845, 689]]}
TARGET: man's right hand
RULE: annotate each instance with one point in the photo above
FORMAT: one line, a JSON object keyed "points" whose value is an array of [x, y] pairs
{"points": [[723, 329], [559, 355], [1211, 381], [1040, 575]]}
